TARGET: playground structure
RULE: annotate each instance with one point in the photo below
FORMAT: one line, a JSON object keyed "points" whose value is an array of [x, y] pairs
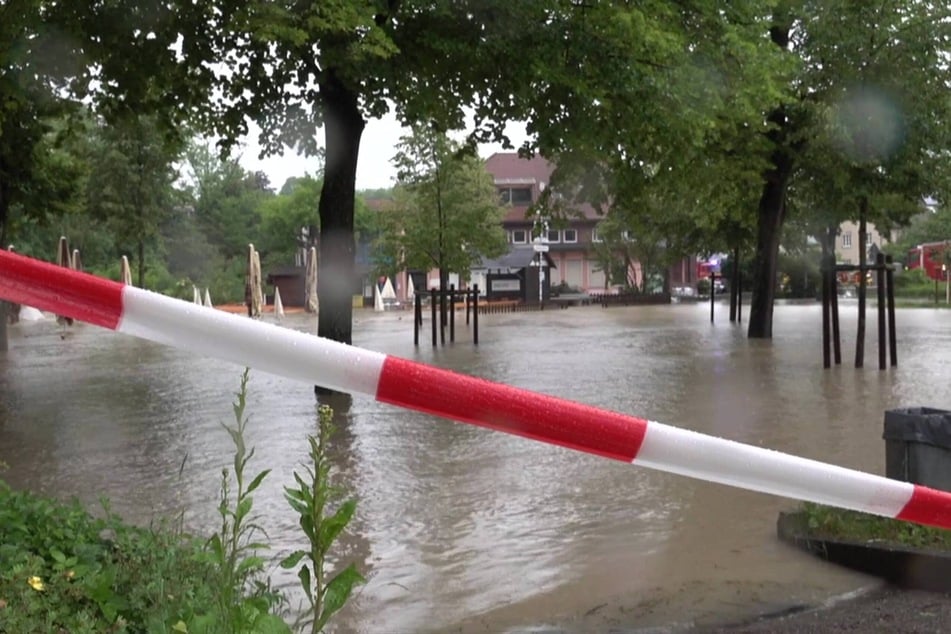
{"points": [[412, 385]]}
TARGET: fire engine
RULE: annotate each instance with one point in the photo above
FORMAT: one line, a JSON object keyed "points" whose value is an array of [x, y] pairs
{"points": [[929, 257]]}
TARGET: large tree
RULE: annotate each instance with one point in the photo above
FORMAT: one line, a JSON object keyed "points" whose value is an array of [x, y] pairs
{"points": [[131, 184], [866, 120], [446, 214]]}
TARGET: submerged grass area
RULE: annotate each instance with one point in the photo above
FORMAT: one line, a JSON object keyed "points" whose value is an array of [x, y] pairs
{"points": [[829, 522]]}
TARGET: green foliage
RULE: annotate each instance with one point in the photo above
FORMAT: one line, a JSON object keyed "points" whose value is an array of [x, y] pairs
{"points": [[313, 499], [914, 283], [282, 219], [830, 522], [61, 569], [799, 275]]}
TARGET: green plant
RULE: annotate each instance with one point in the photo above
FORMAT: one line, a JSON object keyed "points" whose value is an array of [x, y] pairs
{"points": [[311, 499], [245, 599], [61, 569]]}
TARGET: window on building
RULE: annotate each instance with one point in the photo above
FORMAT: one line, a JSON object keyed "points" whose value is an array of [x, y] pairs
{"points": [[868, 239], [569, 235], [516, 195], [847, 240], [519, 236], [594, 235], [554, 235]]}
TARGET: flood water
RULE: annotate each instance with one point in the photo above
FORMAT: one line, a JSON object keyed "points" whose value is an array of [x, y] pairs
{"points": [[464, 529]]}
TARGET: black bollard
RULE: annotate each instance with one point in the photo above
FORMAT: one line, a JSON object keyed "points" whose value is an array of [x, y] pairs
{"points": [[890, 292], [432, 304], [827, 272], [452, 313], [417, 317], [475, 314], [880, 282]]}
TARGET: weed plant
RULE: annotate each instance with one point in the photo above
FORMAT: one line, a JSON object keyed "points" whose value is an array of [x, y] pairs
{"points": [[312, 498]]}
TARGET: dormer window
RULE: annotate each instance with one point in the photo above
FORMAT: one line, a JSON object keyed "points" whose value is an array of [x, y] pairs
{"points": [[515, 195]]}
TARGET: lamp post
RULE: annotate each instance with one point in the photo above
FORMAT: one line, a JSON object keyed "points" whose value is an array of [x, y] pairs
{"points": [[540, 247]]}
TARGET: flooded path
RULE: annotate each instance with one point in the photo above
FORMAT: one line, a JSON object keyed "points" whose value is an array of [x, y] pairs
{"points": [[463, 529]]}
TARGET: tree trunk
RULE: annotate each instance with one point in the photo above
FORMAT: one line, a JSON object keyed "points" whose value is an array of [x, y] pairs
{"points": [[4, 307], [343, 128], [141, 264], [770, 217], [772, 206]]}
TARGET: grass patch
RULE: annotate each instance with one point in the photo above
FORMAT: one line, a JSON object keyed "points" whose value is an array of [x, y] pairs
{"points": [[841, 524], [63, 570]]}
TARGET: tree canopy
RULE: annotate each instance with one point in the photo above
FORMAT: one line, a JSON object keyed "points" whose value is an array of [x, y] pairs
{"points": [[446, 212]]}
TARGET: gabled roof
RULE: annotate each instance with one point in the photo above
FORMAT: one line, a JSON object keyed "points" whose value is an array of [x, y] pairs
{"points": [[508, 168], [517, 258]]}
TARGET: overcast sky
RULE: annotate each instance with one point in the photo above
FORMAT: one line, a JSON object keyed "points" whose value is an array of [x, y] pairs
{"points": [[374, 169]]}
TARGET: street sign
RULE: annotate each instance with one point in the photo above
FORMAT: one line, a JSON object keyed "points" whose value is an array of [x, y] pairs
{"points": [[540, 248]]}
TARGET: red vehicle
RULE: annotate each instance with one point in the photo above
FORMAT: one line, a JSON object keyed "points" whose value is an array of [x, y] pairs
{"points": [[928, 256]]}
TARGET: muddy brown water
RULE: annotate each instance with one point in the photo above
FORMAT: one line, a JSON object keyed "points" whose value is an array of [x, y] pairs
{"points": [[463, 529]]}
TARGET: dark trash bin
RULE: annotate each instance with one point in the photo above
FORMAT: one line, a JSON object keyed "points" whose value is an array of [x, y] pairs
{"points": [[918, 446]]}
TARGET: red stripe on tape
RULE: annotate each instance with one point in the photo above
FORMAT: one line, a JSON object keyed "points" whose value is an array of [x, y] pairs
{"points": [[928, 506], [60, 290], [504, 408]]}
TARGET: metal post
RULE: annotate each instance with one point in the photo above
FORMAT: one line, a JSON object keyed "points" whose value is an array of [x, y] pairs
{"points": [[890, 291], [475, 314], [452, 313], [432, 304], [713, 278], [417, 317], [834, 297], [880, 282], [826, 310]]}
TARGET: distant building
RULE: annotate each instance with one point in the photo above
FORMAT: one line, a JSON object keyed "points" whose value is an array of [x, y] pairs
{"points": [[520, 182], [847, 242]]}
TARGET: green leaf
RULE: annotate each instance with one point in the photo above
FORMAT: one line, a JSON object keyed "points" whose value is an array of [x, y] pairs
{"points": [[304, 575], [292, 560], [257, 480], [248, 564], [57, 555], [331, 526], [270, 624], [244, 507], [338, 591]]}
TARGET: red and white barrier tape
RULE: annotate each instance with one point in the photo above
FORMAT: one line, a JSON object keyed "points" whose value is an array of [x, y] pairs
{"points": [[458, 397]]}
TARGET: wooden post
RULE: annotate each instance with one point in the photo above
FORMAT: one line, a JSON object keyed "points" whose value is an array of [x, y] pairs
{"points": [[739, 298], [860, 334], [432, 305], [452, 313], [442, 312], [826, 307], [417, 317], [880, 282], [475, 314], [890, 291], [834, 299], [734, 283]]}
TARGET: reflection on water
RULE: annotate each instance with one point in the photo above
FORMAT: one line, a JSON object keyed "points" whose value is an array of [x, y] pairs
{"points": [[463, 529]]}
